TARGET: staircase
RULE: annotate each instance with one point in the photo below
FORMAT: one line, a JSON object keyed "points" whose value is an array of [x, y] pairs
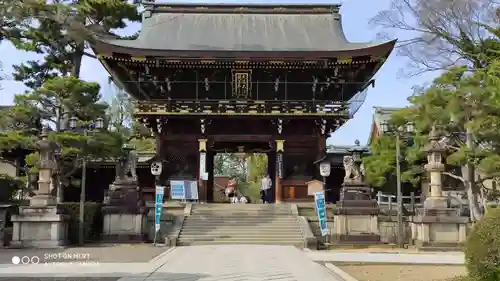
{"points": [[211, 224]]}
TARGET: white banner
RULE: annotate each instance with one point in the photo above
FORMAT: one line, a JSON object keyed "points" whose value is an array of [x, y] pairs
{"points": [[203, 164]]}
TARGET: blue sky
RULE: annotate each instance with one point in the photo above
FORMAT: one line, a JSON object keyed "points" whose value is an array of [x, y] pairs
{"points": [[391, 90]]}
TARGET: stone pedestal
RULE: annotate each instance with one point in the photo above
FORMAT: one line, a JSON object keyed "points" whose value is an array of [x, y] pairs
{"points": [[40, 227], [124, 213], [439, 228], [356, 216]]}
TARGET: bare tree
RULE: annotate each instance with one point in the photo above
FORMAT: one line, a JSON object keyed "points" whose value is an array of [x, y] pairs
{"points": [[120, 111], [440, 34]]}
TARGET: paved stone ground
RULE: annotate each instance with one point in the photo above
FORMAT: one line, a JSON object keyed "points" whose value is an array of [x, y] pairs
{"points": [[104, 253], [58, 279], [237, 263]]}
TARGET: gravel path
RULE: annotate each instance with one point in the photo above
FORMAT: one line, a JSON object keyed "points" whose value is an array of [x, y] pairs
{"points": [[403, 272]]}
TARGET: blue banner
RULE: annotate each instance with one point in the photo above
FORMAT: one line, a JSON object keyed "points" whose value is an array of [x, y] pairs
{"points": [[159, 192], [319, 200]]}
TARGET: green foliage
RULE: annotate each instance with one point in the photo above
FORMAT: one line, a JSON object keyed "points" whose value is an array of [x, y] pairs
{"points": [[469, 99], [144, 144], [251, 190], [257, 167], [482, 249], [56, 98], [248, 175], [92, 221], [380, 165], [9, 186], [64, 96], [61, 31]]}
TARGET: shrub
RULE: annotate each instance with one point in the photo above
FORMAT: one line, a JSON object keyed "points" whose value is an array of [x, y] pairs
{"points": [[482, 249], [92, 221]]}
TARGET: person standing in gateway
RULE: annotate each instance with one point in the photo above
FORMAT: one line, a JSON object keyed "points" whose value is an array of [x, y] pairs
{"points": [[265, 188]]}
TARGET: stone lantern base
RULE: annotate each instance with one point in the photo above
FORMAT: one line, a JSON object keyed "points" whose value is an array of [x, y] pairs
{"points": [[124, 214], [434, 227], [356, 216], [39, 226]]}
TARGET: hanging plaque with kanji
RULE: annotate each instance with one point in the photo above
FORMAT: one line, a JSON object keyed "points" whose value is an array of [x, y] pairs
{"points": [[242, 85]]}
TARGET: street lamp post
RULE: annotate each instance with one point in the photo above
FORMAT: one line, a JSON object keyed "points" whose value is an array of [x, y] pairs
{"points": [[399, 132], [98, 124]]}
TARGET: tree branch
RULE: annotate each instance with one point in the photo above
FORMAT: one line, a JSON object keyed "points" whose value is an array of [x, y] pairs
{"points": [[481, 180], [89, 55], [454, 176]]}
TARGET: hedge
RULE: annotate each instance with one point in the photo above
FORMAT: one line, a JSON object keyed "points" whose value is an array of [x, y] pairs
{"points": [[92, 221], [482, 248]]}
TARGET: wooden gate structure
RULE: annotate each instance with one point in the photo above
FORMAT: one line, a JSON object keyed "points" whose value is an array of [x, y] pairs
{"points": [[276, 79]]}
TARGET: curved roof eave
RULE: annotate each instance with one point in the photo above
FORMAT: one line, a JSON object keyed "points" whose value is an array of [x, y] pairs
{"points": [[134, 48]]}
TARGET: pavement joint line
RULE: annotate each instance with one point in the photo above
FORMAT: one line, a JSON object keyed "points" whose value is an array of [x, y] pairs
{"points": [[339, 272], [155, 266], [160, 256]]}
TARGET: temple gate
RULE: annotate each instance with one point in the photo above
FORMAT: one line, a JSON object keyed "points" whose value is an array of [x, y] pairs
{"points": [[254, 78]]}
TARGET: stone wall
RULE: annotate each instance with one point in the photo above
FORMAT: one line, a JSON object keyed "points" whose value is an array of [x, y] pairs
{"points": [[388, 228], [170, 222], [387, 225]]}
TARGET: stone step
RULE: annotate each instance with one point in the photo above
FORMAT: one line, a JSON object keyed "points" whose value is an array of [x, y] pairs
{"points": [[241, 206], [221, 227], [298, 244], [241, 217], [196, 230], [252, 220], [269, 227], [246, 206], [236, 221], [225, 235], [246, 213], [240, 240], [243, 209]]}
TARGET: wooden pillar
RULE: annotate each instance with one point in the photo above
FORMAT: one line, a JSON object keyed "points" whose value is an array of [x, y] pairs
{"points": [[210, 171], [280, 149], [271, 170], [321, 152], [321, 144], [202, 168]]}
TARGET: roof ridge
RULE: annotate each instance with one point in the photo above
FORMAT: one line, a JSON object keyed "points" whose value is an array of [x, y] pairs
{"points": [[271, 8]]}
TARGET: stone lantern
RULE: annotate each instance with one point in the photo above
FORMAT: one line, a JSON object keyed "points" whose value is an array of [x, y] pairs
{"points": [[435, 224], [41, 224], [435, 166], [46, 148]]}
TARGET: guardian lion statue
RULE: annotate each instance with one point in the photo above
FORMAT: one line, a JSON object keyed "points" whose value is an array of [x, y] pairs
{"points": [[352, 172], [131, 165], [127, 165]]}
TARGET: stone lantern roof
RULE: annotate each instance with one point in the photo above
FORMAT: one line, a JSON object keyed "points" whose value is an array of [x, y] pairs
{"points": [[434, 144]]}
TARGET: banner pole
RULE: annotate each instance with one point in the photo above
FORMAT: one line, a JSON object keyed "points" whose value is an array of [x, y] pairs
{"points": [[159, 193]]}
